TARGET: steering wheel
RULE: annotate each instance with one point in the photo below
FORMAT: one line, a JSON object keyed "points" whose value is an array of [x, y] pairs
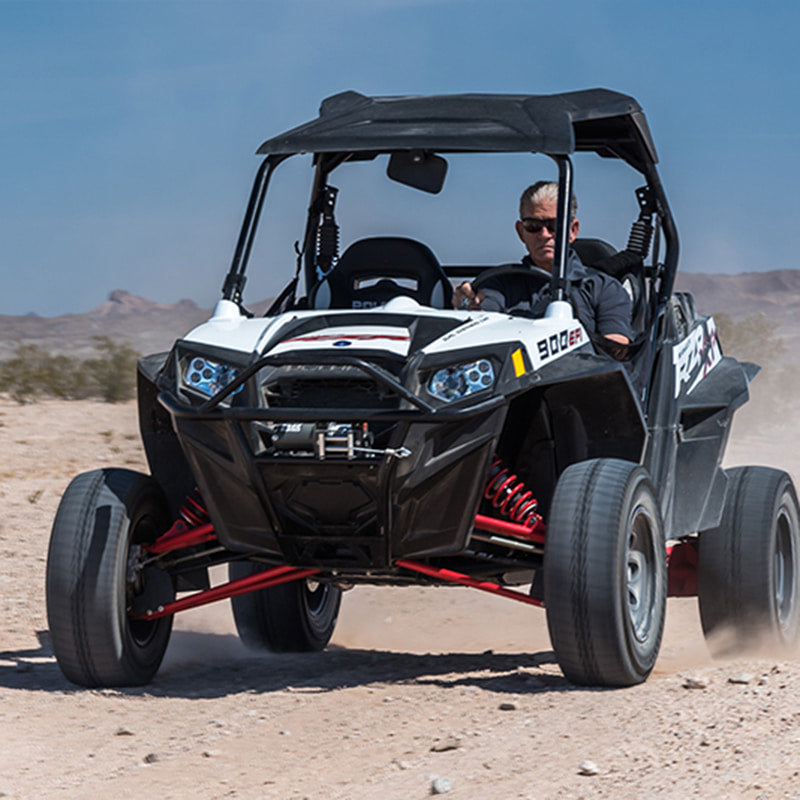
{"points": [[535, 277]]}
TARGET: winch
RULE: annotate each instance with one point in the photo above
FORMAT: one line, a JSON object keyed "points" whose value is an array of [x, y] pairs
{"points": [[329, 440]]}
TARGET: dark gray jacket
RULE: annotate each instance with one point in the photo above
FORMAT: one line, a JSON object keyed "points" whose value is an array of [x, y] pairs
{"points": [[600, 302]]}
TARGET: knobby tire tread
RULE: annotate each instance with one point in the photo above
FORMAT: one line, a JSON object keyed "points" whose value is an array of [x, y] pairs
{"points": [[78, 609], [735, 554], [580, 600], [75, 513], [735, 570]]}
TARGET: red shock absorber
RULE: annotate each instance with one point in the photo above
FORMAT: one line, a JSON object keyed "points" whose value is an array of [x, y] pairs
{"points": [[510, 496], [193, 511], [192, 527]]}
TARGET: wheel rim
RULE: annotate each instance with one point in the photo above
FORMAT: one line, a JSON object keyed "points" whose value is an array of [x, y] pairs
{"points": [[641, 573], [784, 570], [316, 595], [142, 631]]}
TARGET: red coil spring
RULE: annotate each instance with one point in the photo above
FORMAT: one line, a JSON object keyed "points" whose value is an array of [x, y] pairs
{"points": [[510, 495], [193, 511]]}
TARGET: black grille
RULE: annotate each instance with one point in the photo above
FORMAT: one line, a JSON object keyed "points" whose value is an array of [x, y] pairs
{"points": [[329, 393]]}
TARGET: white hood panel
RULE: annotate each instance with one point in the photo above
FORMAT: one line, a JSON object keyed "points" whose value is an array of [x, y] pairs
{"points": [[544, 339], [385, 338]]}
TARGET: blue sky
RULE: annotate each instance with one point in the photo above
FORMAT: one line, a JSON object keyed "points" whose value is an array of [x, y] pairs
{"points": [[128, 128]]}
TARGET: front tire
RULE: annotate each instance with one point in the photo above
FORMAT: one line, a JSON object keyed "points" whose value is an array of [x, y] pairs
{"points": [[295, 617], [605, 573], [748, 567], [93, 578]]}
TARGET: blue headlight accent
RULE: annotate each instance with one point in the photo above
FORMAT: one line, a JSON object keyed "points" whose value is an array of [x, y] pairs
{"points": [[453, 383], [209, 377]]}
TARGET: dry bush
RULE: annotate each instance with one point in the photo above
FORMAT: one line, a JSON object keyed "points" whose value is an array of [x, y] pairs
{"points": [[113, 374], [33, 373]]}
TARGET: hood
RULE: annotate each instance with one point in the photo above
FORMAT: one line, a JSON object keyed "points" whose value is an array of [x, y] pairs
{"points": [[398, 330], [394, 339]]}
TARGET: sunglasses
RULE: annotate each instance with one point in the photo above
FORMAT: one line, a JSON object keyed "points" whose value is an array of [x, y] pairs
{"points": [[535, 225]]}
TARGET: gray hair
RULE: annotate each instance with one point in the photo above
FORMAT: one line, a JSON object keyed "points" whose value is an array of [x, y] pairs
{"points": [[540, 191]]}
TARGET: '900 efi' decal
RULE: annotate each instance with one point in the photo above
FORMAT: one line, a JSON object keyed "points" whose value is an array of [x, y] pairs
{"points": [[558, 343], [695, 356]]}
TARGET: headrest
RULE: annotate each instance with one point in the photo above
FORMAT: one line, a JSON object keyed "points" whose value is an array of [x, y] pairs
{"points": [[372, 271]]}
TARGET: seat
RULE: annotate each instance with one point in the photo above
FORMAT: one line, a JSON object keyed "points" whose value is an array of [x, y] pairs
{"points": [[628, 268], [625, 266], [372, 271], [592, 251]]}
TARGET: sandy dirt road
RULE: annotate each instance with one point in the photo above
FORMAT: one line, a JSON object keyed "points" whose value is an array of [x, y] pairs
{"points": [[421, 689]]}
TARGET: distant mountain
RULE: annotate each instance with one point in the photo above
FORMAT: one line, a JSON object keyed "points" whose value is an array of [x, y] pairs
{"points": [[773, 293], [124, 317]]}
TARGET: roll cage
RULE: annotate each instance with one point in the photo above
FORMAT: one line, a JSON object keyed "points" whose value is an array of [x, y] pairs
{"points": [[351, 127]]}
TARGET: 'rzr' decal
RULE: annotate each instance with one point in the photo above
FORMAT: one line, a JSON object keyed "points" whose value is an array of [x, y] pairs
{"points": [[695, 356]]}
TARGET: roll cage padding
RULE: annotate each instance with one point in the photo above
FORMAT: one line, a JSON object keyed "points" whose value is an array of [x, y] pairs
{"points": [[382, 260]]}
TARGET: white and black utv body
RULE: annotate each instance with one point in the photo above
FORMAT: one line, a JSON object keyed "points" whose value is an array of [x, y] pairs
{"points": [[365, 431]]}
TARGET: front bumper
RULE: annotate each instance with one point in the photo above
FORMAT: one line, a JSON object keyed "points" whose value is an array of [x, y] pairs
{"points": [[359, 514]]}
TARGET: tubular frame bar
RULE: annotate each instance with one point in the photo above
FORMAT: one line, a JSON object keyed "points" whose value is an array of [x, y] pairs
{"points": [[465, 580], [285, 574], [558, 279], [235, 279], [251, 583]]}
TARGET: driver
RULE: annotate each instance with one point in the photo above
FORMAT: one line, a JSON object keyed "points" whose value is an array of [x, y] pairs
{"points": [[600, 302]]}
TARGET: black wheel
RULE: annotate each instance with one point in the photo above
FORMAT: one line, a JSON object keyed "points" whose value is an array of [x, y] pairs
{"points": [[748, 567], [295, 617], [605, 584], [95, 574]]}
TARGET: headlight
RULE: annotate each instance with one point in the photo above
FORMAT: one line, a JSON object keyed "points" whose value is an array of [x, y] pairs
{"points": [[453, 383], [208, 377]]}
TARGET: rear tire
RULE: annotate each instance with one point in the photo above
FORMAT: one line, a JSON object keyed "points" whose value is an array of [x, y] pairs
{"points": [[92, 580], [748, 567], [295, 617], [605, 573]]}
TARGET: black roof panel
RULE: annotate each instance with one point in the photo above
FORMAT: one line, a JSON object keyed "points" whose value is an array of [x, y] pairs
{"points": [[600, 120]]}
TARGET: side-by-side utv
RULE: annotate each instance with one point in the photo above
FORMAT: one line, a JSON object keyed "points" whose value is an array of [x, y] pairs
{"points": [[365, 431]]}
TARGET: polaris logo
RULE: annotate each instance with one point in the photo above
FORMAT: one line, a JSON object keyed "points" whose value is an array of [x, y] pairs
{"points": [[342, 343]]}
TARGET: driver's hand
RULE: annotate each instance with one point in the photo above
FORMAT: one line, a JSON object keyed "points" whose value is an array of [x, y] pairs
{"points": [[465, 299]]}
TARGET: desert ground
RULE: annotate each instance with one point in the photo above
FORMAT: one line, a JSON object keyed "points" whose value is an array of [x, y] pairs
{"points": [[422, 691]]}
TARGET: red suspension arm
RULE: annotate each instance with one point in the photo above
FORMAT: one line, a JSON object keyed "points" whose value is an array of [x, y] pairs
{"points": [[175, 538], [535, 534], [181, 535], [251, 583], [465, 580]]}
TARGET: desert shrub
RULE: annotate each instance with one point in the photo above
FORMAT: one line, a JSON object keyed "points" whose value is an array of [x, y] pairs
{"points": [[19, 375], [114, 373], [33, 373]]}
